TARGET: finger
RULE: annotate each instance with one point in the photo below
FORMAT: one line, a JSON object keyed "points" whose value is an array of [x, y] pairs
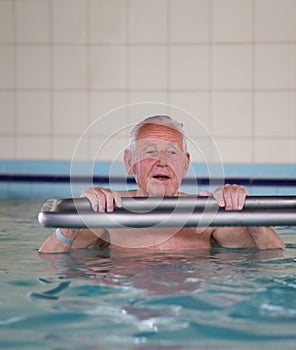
{"points": [[243, 193], [90, 194], [219, 196], [107, 200], [205, 193], [101, 199], [229, 196], [117, 199]]}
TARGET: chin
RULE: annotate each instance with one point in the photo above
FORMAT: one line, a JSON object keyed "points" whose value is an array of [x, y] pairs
{"points": [[159, 190]]}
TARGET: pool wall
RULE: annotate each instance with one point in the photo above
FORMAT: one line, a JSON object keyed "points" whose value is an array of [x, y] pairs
{"points": [[51, 179]]}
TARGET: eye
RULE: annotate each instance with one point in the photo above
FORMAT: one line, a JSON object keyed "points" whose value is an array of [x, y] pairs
{"points": [[150, 151], [172, 152]]}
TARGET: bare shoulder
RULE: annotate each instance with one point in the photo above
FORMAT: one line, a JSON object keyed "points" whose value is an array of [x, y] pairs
{"points": [[232, 237]]}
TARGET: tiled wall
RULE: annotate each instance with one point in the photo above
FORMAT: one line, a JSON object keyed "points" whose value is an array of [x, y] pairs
{"points": [[231, 63]]}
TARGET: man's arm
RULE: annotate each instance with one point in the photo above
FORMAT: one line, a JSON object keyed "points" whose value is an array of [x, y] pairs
{"points": [[247, 237], [232, 197], [62, 240]]}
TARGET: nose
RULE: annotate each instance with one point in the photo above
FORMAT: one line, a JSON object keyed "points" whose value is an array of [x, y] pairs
{"points": [[162, 158]]}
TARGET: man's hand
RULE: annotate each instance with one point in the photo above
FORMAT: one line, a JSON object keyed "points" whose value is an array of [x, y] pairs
{"points": [[232, 197], [102, 199]]}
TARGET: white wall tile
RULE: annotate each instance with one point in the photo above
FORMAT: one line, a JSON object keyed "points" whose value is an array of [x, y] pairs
{"points": [[7, 113], [147, 67], [232, 114], [147, 21], [232, 67], [32, 21], [108, 113], [231, 63], [235, 150], [107, 21], [189, 67], [6, 22], [273, 150], [69, 21], [69, 67], [33, 113], [108, 149], [66, 147], [7, 147], [104, 102], [108, 67], [69, 113], [275, 114], [33, 148], [6, 67], [232, 20], [33, 67], [201, 151], [148, 96], [189, 21], [275, 66], [139, 111], [196, 104], [275, 20]]}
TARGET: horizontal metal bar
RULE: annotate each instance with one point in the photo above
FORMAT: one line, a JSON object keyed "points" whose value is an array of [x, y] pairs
{"points": [[144, 204], [164, 218]]}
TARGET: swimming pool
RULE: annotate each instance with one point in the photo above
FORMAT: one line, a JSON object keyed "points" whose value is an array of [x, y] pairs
{"points": [[97, 299]]}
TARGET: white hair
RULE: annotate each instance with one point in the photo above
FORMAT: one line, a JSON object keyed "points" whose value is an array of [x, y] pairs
{"points": [[157, 119]]}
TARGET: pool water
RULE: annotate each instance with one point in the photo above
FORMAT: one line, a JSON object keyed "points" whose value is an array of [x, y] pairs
{"points": [[97, 299]]}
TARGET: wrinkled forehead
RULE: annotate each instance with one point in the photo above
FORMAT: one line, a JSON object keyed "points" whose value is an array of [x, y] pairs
{"points": [[163, 133]]}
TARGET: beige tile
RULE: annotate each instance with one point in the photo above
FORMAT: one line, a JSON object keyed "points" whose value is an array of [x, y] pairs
{"points": [[107, 21], [69, 148], [235, 150], [232, 20], [7, 147], [108, 149], [32, 21], [232, 67], [33, 67], [33, 148], [196, 106], [147, 21], [69, 21], [232, 114], [275, 20], [148, 96], [189, 67], [189, 22], [147, 67], [108, 67], [6, 22], [7, 113], [70, 113], [6, 67], [275, 114], [33, 113], [275, 66], [109, 114], [105, 102], [275, 150], [69, 67]]}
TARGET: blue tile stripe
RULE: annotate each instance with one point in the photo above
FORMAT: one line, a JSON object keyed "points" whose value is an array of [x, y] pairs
{"points": [[44, 167], [51, 179]]}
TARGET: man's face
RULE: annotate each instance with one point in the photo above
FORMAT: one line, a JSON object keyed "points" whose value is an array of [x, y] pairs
{"points": [[159, 162]]}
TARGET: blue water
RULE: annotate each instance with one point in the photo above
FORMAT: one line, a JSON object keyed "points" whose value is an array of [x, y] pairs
{"points": [[97, 299]]}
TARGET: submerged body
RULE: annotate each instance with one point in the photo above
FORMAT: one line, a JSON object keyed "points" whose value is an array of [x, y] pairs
{"points": [[158, 159]]}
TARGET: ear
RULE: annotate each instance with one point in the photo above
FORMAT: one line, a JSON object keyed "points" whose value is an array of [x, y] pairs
{"points": [[187, 162], [128, 162]]}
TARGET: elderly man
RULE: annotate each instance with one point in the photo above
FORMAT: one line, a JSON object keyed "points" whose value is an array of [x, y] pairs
{"points": [[158, 159]]}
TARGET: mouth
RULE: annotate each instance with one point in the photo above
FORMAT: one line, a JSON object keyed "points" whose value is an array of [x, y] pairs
{"points": [[161, 177]]}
